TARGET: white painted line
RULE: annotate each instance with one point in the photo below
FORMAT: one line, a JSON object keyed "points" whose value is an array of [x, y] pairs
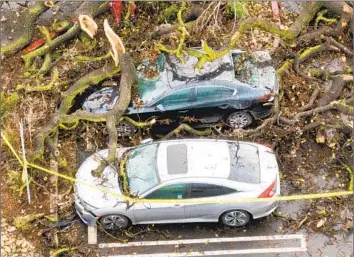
{"points": [[217, 253], [92, 235], [304, 243], [205, 241]]}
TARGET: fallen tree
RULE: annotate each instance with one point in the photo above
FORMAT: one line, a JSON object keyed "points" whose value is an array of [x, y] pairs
{"points": [[86, 13]]}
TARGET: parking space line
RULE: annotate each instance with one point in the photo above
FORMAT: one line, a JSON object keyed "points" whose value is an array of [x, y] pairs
{"points": [[300, 237], [206, 241], [218, 253]]}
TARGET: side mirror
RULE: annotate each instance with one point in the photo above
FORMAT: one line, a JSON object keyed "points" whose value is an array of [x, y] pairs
{"points": [[160, 108]]}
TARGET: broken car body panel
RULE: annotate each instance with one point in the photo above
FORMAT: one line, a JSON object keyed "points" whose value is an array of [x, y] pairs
{"points": [[237, 167]]}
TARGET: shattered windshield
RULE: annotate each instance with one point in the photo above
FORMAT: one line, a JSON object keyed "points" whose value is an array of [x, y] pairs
{"points": [[141, 169]]}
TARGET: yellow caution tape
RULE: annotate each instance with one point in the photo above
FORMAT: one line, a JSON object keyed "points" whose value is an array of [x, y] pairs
{"points": [[186, 201]]}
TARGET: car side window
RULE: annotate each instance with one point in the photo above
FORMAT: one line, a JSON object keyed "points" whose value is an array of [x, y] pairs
{"points": [[208, 93], [175, 191], [224, 91], [178, 97], [199, 190]]}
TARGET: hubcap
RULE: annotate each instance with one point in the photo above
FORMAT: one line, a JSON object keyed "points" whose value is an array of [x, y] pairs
{"points": [[124, 129], [235, 218], [239, 120], [113, 222]]}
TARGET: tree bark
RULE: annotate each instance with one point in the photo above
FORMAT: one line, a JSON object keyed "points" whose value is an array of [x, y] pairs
{"points": [[91, 9], [29, 18]]}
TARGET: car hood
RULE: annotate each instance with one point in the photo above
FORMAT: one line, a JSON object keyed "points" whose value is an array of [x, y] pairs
{"points": [[100, 191]]}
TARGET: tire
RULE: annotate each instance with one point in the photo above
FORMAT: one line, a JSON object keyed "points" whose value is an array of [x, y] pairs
{"points": [[125, 129], [114, 222], [235, 218], [239, 119]]}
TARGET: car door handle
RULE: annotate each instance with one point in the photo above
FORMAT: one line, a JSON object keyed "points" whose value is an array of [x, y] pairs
{"points": [[183, 111], [177, 205], [224, 106]]}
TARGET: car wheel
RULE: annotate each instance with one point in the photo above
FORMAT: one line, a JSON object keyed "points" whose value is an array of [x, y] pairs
{"points": [[125, 128], [235, 218], [114, 222], [239, 119]]}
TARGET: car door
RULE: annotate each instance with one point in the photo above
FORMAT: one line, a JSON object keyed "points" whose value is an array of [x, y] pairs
{"points": [[176, 103], [208, 209], [212, 100], [155, 212]]}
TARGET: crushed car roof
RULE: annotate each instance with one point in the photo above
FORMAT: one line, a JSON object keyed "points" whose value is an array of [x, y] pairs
{"points": [[253, 69]]}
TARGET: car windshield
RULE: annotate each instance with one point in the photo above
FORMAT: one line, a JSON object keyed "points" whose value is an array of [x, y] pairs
{"points": [[141, 170]]}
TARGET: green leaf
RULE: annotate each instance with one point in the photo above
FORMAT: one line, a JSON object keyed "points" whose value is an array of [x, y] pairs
{"points": [[238, 7]]}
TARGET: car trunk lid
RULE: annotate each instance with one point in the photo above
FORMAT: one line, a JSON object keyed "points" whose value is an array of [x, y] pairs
{"points": [[245, 163], [269, 168]]}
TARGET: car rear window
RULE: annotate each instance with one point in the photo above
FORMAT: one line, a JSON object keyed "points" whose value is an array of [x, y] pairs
{"points": [[244, 162]]}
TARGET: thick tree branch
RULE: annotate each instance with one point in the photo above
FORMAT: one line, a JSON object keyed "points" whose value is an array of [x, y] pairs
{"points": [[29, 18], [91, 9]]}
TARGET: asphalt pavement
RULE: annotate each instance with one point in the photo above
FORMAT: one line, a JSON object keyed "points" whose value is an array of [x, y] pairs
{"points": [[263, 237]]}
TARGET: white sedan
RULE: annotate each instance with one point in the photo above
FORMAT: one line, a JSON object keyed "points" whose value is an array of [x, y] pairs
{"points": [[212, 173]]}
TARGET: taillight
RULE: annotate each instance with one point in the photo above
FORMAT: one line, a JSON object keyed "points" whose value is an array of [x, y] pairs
{"points": [[270, 191], [267, 97], [264, 97]]}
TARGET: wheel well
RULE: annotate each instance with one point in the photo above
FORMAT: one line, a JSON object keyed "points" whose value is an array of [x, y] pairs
{"points": [[129, 220], [251, 216], [241, 110]]}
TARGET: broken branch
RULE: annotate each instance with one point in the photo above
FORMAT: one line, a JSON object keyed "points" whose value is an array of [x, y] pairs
{"points": [[185, 127], [29, 17]]}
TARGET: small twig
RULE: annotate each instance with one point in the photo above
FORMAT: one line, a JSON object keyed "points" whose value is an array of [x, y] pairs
{"points": [[208, 19], [43, 187], [92, 59], [66, 249], [338, 45], [217, 14], [321, 17], [202, 16], [302, 222], [312, 100]]}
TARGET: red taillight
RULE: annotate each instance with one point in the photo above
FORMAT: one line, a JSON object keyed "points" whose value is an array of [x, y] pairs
{"points": [[264, 97], [267, 97], [270, 191]]}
